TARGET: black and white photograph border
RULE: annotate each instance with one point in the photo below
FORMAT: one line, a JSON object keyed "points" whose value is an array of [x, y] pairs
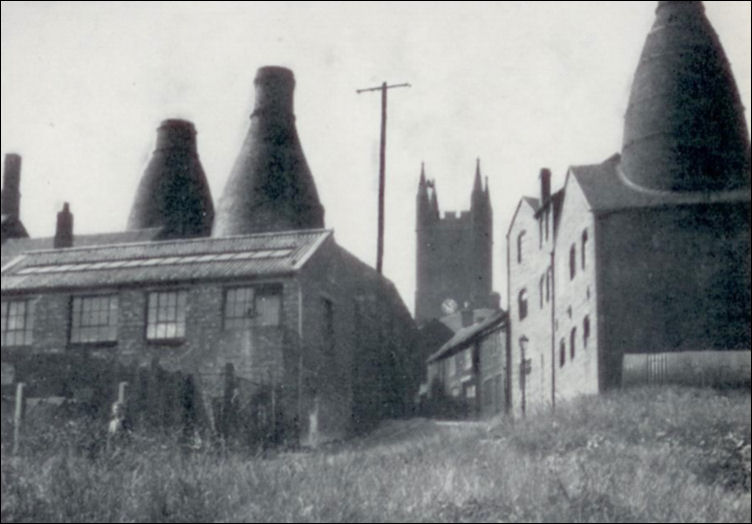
{"points": [[348, 261]]}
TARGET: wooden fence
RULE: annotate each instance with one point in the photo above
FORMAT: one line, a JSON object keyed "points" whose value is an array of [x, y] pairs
{"points": [[145, 399]]}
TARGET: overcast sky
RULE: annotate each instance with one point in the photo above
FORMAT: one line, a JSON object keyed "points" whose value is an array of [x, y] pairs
{"points": [[520, 85]]}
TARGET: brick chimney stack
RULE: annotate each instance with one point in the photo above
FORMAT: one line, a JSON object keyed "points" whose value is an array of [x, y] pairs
{"points": [[11, 200], [545, 184], [64, 230]]}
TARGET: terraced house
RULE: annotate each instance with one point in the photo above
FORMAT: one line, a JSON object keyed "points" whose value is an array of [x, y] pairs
{"points": [[638, 268], [261, 285]]}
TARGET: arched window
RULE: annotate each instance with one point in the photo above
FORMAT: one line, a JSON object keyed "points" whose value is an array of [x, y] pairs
{"points": [[562, 352], [572, 342], [584, 243], [585, 330], [520, 241], [522, 303], [572, 262]]}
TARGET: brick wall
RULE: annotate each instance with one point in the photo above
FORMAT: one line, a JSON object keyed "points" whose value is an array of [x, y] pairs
{"points": [[575, 297], [535, 392]]}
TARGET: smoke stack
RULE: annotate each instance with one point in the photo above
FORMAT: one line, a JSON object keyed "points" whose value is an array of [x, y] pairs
{"points": [[545, 184], [64, 229], [270, 187], [173, 193], [11, 201]]}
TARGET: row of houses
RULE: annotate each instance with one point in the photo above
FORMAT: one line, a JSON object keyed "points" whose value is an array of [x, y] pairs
{"points": [[638, 268]]}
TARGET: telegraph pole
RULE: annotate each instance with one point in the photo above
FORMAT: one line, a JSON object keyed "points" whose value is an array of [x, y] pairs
{"points": [[382, 154]]}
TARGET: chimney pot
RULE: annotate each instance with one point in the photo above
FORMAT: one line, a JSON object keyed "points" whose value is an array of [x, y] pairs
{"points": [[64, 229], [545, 184]]}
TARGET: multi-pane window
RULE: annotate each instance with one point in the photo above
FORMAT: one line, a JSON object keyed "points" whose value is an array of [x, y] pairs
{"points": [[247, 307], [17, 323], [94, 319], [469, 359], [166, 315], [522, 303]]}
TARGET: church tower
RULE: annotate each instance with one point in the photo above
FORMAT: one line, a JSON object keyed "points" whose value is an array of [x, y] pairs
{"points": [[453, 252]]}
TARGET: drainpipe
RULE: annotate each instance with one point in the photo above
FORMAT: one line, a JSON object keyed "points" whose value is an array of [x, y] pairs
{"points": [[300, 357], [553, 332]]}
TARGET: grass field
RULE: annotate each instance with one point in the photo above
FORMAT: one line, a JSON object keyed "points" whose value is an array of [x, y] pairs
{"points": [[654, 454]]}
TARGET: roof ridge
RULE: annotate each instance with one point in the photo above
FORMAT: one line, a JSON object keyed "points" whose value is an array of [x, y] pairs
{"points": [[182, 241]]}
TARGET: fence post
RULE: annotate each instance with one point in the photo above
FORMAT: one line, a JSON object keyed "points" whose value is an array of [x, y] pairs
{"points": [[228, 415], [122, 392], [18, 416]]}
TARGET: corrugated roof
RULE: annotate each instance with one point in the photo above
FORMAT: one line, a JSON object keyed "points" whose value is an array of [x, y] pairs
{"points": [[466, 335], [166, 261], [606, 189]]}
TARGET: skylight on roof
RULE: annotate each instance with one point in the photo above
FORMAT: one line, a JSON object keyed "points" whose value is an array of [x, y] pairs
{"points": [[157, 261]]}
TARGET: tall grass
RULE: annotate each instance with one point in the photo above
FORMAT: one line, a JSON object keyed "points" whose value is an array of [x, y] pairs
{"points": [[637, 455]]}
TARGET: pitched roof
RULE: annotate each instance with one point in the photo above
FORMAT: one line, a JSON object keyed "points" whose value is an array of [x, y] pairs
{"points": [[607, 189], [467, 335], [534, 203], [263, 254]]}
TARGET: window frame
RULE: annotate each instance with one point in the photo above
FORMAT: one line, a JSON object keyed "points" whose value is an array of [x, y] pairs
{"points": [[77, 327], [585, 331], [522, 303], [520, 243], [232, 321], [26, 332], [572, 261], [572, 342], [584, 244], [181, 295]]}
